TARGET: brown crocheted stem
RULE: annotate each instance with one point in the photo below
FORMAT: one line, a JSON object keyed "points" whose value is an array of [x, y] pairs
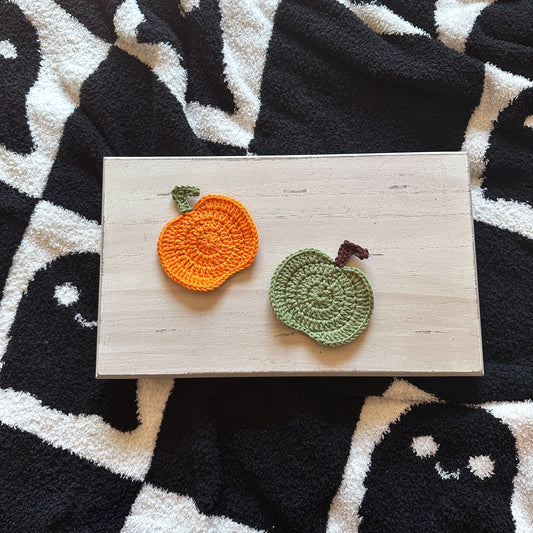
{"points": [[346, 250], [180, 194]]}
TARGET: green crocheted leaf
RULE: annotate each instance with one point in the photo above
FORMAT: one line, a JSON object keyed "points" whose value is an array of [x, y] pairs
{"points": [[330, 304]]}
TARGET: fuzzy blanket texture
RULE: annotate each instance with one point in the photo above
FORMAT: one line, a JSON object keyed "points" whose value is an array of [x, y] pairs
{"points": [[80, 80]]}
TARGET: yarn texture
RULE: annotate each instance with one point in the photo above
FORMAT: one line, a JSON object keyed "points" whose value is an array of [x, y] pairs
{"points": [[207, 244], [329, 303]]}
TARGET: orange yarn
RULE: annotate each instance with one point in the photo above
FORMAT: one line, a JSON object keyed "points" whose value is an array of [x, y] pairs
{"points": [[203, 247]]}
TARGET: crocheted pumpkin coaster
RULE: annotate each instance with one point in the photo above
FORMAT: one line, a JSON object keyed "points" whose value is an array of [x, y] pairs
{"points": [[209, 243], [323, 298]]}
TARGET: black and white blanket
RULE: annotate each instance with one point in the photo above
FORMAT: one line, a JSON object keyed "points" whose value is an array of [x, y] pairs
{"points": [[82, 79]]}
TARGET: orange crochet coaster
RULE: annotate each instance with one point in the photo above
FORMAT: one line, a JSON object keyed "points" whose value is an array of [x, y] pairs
{"points": [[206, 244]]}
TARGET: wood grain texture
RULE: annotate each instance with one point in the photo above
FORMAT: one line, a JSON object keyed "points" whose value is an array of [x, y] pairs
{"points": [[412, 211]]}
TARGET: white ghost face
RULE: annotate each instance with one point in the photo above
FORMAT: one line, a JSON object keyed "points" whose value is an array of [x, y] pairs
{"points": [[450, 465], [425, 447], [67, 295]]}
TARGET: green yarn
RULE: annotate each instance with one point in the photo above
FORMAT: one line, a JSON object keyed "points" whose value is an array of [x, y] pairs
{"points": [[330, 304], [180, 194]]}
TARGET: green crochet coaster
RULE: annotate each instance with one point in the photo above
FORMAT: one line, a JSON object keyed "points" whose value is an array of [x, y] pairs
{"points": [[324, 299]]}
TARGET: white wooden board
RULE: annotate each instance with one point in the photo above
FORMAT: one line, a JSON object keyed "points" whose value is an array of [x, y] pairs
{"points": [[412, 211]]}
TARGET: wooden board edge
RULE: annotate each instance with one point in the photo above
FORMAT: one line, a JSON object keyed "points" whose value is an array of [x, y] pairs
{"points": [[289, 374], [476, 283], [101, 270], [274, 157]]}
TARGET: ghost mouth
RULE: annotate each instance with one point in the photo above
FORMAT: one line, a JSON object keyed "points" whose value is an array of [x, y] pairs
{"points": [[85, 323], [444, 474]]}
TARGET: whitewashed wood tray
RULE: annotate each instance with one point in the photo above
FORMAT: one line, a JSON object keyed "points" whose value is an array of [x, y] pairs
{"points": [[412, 211]]}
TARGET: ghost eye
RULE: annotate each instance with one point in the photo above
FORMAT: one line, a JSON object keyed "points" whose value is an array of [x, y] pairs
{"points": [[424, 446], [481, 466], [7, 50], [66, 294]]}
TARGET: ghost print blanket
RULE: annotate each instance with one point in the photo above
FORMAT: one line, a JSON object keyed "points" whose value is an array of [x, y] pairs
{"points": [[84, 79]]}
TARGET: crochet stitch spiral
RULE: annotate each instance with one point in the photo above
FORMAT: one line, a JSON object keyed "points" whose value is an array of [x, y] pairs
{"points": [[313, 294], [207, 244]]}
